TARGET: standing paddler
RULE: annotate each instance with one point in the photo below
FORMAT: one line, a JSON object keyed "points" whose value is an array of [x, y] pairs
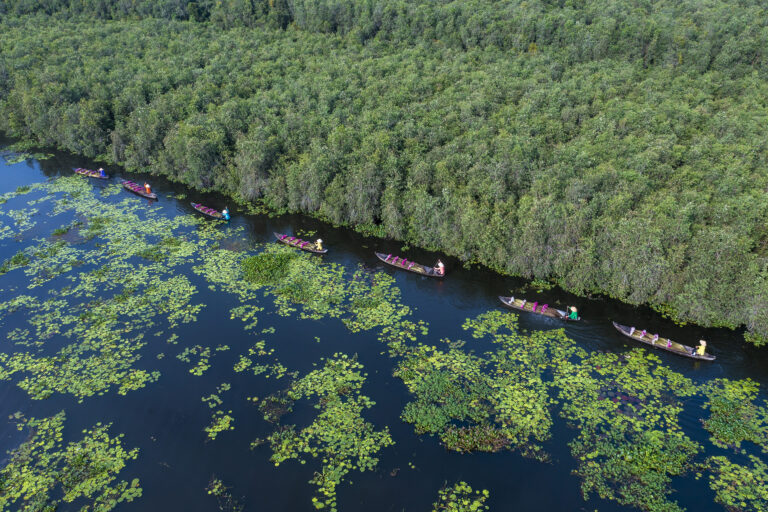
{"points": [[574, 313]]}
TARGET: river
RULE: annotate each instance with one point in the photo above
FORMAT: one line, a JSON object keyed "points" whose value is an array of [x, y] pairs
{"points": [[166, 417]]}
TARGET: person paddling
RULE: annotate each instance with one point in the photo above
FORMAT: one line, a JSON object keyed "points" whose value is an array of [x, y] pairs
{"points": [[102, 173], [702, 348], [319, 244], [439, 268], [147, 188], [225, 213], [574, 314]]}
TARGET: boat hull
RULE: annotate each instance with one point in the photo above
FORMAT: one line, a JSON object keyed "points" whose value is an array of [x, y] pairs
{"points": [[519, 305], [209, 212], [411, 266], [297, 243], [661, 343], [138, 189]]}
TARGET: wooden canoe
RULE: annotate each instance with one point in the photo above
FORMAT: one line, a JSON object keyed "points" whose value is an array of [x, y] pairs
{"points": [[523, 305], [210, 212], [299, 243], [91, 174], [662, 343], [410, 266], [138, 189]]}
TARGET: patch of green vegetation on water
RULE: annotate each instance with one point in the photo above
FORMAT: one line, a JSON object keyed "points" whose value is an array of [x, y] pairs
{"points": [[460, 497], [101, 315], [739, 487], [338, 435], [19, 259], [42, 472], [203, 356], [224, 498], [486, 403], [626, 410], [734, 415]]}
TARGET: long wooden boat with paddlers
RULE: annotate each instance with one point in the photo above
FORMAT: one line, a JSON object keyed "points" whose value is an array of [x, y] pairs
{"points": [[138, 189], [663, 343], [300, 244], [91, 174], [411, 266], [210, 212], [534, 307]]}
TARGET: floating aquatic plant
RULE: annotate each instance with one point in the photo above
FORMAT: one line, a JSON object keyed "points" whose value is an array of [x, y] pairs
{"points": [[460, 497], [740, 487], [224, 498], [734, 415], [338, 435], [43, 472]]}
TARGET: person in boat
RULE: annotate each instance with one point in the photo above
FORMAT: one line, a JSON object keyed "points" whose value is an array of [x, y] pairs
{"points": [[535, 305], [147, 188], [225, 213], [655, 339], [102, 173], [439, 268], [319, 244], [702, 348], [574, 314]]}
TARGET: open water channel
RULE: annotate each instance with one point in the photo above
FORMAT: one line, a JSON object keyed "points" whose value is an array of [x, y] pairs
{"points": [[165, 417]]}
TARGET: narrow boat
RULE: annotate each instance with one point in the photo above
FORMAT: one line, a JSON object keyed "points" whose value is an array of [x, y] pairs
{"points": [[138, 189], [299, 243], [91, 174], [662, 343], [411, 266], [534, 307], [208, 211]]}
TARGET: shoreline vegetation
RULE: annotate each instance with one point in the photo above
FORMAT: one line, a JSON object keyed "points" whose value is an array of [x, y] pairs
{"points": [[610, 147], [129, 293]]}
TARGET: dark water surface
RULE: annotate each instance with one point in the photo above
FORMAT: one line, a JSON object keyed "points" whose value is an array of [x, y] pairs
{"points": [[165, 419]]}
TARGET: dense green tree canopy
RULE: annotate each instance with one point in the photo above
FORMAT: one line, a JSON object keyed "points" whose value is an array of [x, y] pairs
{"points": [[613, 146]]}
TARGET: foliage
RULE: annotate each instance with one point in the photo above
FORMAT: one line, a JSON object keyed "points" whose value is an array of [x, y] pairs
{"points": [[486, 403], [339, 434], [96, 317], [43, 472], [224, 498], [734, 415], [460, 498], [743, 488], [582, 143]]}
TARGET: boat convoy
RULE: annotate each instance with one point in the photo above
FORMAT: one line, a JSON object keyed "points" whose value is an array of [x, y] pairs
{"points": [[438, 271]]}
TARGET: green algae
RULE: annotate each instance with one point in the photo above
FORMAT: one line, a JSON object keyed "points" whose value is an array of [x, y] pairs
{"points": [[338, 435], [460, 497], [43, 472]]}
